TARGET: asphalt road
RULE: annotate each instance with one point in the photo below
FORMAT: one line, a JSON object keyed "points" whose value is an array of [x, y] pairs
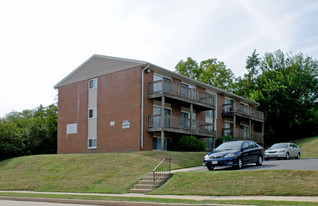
{"points": [[291, 164]]}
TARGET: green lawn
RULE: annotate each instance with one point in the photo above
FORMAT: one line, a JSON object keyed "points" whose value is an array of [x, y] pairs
{"points": [[254, 182], [309, 147], [103, 172], [158, 200]]}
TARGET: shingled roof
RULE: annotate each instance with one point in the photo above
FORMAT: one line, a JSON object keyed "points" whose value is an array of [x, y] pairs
{"points": [[98, 65]]}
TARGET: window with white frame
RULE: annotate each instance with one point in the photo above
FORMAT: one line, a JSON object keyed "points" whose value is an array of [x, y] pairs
{"points": [[92, 113], [244, 131], [229, 103], [185, 121], [157, 143], [92, 143], [71, 128], [244, 108], [160, 85], [228, 128], [92, 83]]}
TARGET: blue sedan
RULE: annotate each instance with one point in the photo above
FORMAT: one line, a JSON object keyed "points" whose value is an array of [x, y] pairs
{"points": [[234, 154]]}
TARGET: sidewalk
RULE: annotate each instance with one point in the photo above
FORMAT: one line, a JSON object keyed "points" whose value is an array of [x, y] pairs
{"points": [[190, 197]]}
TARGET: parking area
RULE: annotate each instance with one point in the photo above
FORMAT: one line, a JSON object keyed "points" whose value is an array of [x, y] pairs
{"points": [[291, 164]]}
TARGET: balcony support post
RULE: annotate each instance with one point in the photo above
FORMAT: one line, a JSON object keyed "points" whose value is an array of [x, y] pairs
{"points": [[250, 129], [191, 117], [262, 132], [234, 129], [162, 123]]}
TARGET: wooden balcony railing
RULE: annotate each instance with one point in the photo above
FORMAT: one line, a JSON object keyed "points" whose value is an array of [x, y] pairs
{"points": [[243, 110], [243, 134], [174, 89], [178, 123]]}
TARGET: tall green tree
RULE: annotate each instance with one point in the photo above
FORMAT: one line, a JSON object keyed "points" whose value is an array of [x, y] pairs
{"points": [[29, 132], [287, 93], [189, 68], [244, 85], [211, 71]]}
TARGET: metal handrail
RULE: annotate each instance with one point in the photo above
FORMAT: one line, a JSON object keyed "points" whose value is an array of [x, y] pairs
{"points": [[163, 168]]}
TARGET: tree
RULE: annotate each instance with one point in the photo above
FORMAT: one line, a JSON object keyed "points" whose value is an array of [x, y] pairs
{"points": [[189, 68], [11, 145], [29, 132], [287, 93], [252, 65], [211, 71], [243, 86]]}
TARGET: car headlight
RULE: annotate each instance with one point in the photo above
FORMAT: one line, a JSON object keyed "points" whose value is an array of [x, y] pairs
{"points": [[229, 155], [266, 151], [206, 157], [281, 151]]}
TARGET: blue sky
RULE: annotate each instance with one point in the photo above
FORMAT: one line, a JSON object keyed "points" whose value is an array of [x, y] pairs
{"points": [[43, 41]]}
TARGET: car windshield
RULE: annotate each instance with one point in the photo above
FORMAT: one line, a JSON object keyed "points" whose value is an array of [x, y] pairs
{"points": [[280, 145], [229, 146]]}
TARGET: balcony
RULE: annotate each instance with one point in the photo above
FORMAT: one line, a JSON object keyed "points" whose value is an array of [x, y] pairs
{"points": [[242, 110], [179, 125], [182, 93], [243, 135]]}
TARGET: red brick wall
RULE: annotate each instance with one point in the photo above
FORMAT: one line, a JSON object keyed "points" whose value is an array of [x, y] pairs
{"points": [[148, 109], [119, 99], [72, 108], [220, 120]]}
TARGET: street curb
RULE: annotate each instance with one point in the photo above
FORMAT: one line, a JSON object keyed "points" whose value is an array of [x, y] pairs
{"points": [[101, 202]]}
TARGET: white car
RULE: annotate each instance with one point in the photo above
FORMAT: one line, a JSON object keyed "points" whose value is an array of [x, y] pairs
{"points": [[283, 150]]}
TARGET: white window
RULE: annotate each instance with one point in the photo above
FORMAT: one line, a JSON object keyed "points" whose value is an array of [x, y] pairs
{"points": [[157, 143], [92, 113], [185, 121], [71, 128], [160, 85], [157, 116], [209, 113], [92, 143], [244, 108], [92, 83], [228, 128], [229, 104], [244, 132]]}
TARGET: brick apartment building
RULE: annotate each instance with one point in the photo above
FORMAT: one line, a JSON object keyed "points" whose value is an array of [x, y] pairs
{"points": [[112, 104]]}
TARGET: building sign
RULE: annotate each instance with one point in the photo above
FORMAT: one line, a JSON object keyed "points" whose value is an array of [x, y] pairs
{"points": [[71, 128], [125, 124]]}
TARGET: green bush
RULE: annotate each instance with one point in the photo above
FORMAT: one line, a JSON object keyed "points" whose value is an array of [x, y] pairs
{"points": [[190, 143], [222, 139]]}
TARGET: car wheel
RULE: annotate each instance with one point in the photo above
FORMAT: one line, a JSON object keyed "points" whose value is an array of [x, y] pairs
{"points": [[210, 168], [287, 156], [239, 163], [298, 156], [259, 161]]}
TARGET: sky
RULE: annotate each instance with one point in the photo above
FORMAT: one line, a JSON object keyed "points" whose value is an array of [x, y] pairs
{"points": [[43, 41]]}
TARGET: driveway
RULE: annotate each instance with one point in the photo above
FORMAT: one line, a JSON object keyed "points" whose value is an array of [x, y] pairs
{"points": [[292, 164]]}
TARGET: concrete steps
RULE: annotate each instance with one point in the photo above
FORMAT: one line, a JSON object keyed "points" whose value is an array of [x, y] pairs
{"points": [[147, 183]]}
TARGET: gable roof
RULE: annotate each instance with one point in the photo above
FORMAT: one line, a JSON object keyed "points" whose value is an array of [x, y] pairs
{"points": [[98, 65]]}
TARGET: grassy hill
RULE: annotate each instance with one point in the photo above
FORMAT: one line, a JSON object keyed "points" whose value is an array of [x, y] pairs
{"points": [[103, 172], [242, 182], [309, 147], [118, 172]]}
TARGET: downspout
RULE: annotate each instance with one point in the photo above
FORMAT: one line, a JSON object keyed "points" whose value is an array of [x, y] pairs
{"points": [[142, 109]]}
